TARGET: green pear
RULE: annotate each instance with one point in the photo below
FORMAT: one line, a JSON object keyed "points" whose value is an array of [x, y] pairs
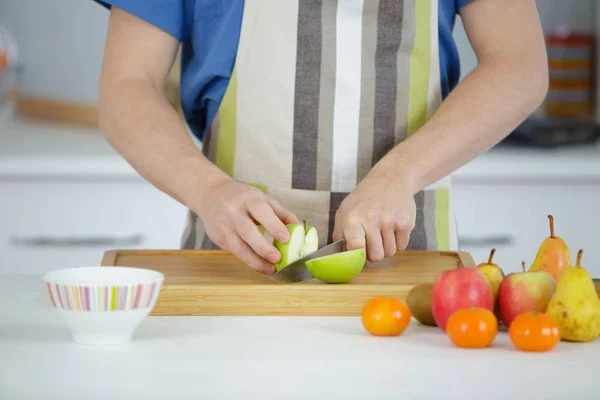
{"points": [[575, 306], [304, 240]]}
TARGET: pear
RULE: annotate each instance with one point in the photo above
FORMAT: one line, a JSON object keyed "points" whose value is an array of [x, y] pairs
{"points": [[304, 240], [575, 305], [553, 255], [494, 275]]}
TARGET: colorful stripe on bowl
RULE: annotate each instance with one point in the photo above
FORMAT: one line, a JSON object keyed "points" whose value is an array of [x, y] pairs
{"points": [[102, 298]]}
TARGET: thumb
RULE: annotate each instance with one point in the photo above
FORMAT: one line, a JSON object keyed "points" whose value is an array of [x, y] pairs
{"points": [[337, 231]]}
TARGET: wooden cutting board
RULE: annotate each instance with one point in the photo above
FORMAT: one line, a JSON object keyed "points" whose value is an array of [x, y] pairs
{"points": [[213, 282]]}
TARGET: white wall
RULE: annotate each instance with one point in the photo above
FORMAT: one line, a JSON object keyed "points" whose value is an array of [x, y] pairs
{"points": [[60, 43]]}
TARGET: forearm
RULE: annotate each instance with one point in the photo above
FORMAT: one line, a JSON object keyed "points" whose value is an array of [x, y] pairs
{"points": [[483, 109], [509, 83], [143, 127]]}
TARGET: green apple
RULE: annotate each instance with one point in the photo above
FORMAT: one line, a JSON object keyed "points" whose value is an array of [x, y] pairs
{"points": [[338, 267], [304, 240]]}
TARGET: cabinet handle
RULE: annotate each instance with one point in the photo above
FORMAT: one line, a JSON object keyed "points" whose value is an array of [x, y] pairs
{"points": [[486, 241], [76, 241]]}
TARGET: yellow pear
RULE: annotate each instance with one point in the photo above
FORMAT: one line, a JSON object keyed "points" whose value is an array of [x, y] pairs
{"points": [[553, 255], [575, 305], [494, 275]]}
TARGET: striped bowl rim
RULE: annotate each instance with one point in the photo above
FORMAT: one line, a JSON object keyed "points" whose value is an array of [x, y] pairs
{"points": [[102, 276]]}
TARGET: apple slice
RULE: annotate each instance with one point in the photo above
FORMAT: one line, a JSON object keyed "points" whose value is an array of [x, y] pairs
{"points": [[339, 267], [304, 240]]}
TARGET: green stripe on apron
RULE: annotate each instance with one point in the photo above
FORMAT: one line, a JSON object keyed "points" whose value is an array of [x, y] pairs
{"points": [[284, 124]]}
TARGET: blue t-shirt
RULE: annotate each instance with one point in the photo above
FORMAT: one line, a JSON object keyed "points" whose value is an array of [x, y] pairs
{"points": [[209, 31]]}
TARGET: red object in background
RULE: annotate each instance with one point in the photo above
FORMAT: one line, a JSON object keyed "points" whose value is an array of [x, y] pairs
{"points": [[3, 64], [571, 59]]}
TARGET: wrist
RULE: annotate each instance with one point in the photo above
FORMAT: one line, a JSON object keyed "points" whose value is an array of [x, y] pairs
{"points": [[203, 183], [395, 169]]}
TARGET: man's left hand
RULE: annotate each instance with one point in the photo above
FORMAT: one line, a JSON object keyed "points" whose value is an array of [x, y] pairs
{"points": [[379, 214]]}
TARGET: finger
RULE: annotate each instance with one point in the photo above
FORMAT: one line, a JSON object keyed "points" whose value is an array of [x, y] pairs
{"points": [[389, 241], [354, 234], [264, 214], [403, 229], [402, 239], [250, 234], [237, 247], [337, 227], [286, 216], [375, 251]]}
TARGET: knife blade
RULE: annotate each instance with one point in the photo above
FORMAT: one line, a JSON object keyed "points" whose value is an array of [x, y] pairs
{"points": [[297, 271]]}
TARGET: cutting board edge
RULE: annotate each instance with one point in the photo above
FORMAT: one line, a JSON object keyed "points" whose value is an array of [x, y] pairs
{"points": [[221, 304], [110, 256]]}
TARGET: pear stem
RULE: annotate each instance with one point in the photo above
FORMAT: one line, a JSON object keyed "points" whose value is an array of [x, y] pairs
{"points": [[551, 218], [304, 223], [579, 253], [491, 256], [523, 262]]}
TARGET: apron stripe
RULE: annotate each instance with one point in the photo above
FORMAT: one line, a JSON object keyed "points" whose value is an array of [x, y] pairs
{"points": [[227, 128], [213, 135], [326, 94], [189, 235], [442, 223], [367, 98], [420, 60], [347, 95], [418, 237], [306, 104], [403, 65], [389, 36], [429, 223], [266, 70], [435, 88], [335, 199]]}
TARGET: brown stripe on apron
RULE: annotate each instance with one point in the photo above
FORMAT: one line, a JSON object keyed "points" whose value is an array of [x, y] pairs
{"points": [[389, 36], [367, 95], [306, 105]]}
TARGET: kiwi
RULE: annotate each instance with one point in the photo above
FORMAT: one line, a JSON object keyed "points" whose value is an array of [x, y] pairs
{"points": [[419, 303]]}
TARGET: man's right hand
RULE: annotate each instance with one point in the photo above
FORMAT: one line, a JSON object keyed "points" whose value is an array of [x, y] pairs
{"points": [[146, 130], [230, 212]]}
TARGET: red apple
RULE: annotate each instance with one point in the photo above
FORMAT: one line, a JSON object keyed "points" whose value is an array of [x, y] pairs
{"points": [[524, 291], [460, 288]]}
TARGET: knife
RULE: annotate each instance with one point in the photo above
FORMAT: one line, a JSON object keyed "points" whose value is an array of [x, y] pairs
{"points": [[297, 271]]}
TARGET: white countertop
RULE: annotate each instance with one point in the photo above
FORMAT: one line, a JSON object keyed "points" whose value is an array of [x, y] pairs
{"points": [[271, 357], [35, 148], [40, 149]]}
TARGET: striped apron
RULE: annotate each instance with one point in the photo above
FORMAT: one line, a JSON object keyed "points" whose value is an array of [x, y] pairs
{"points": [[320, 91]]}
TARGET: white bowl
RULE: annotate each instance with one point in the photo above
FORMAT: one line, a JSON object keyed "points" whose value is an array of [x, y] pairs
{"points": [[103, 305]]}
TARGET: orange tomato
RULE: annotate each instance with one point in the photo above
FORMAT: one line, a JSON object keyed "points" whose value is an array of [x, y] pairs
{"points": [[534, 331], [474, 327], [385, 316]]}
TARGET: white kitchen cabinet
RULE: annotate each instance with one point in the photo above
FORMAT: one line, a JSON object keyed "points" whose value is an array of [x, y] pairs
{"points": [[60, 223], [512, 217]]}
